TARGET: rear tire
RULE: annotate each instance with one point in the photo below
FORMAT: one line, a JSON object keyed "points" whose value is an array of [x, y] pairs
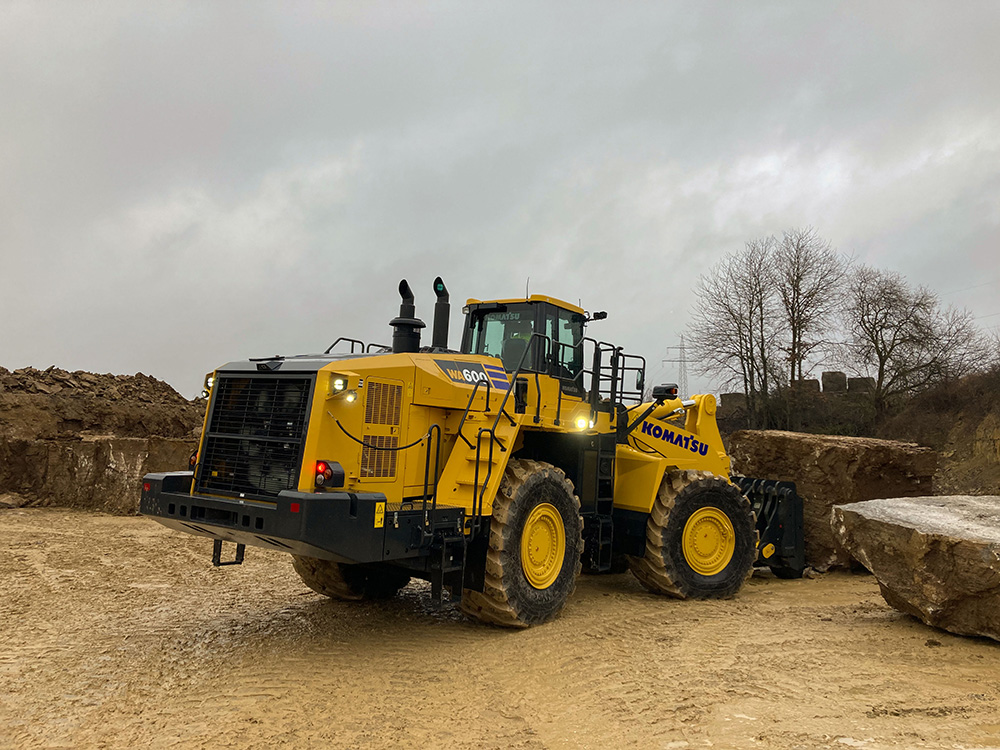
{"points": [[349, 582], [536, 540], [701, 538]]}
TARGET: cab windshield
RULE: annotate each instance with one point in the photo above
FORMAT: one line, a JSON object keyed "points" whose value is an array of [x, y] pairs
{"points": [[505, 334]]}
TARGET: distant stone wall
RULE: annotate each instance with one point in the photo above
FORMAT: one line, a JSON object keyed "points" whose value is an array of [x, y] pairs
{"points": [[832, 403]]}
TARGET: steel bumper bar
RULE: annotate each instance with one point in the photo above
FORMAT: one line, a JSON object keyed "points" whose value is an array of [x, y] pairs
{"points": [[348, 527]]}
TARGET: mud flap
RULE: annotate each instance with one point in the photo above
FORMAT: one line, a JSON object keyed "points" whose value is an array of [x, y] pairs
{"points": [[778, 508]]}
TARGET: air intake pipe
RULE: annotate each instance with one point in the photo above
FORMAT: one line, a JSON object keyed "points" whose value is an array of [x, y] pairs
{"points": [[406, 328], [442, 311]]}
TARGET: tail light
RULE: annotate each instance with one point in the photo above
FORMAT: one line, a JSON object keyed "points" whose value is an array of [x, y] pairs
{"points": [[329, 474]]}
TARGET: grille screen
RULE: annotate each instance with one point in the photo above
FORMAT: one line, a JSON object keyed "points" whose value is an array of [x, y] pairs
{"points": [[383, 402], [255, 435], [376, 463]]}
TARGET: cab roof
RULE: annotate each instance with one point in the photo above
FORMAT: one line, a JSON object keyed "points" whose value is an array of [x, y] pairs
{"points": [[533, 298]]}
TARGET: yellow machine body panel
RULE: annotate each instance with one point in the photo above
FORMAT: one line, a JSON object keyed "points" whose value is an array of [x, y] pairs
{"points": [[533, 298], [376, 425], [373, 416], [660, 442]]}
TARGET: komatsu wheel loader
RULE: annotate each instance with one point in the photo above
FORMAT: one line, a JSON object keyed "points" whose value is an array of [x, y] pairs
{"points": [[496, 471]]}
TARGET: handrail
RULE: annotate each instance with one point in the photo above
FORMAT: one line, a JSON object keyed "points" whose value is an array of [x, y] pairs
{"points": [[427, 468], [616, 394], [479, 495], [517, 372], [364, 348], [432, 431], [359, 342], [468, 406]]}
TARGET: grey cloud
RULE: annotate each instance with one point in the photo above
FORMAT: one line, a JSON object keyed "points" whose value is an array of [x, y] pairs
{"points": [[185, 184]]}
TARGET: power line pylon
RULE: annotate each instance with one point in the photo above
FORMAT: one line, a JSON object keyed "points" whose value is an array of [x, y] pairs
{"points": [[681, 361]]}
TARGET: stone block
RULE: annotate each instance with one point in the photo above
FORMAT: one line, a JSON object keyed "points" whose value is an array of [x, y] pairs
{"points": [[832, 470], [834, 382], [860, 385], [936, 558]]}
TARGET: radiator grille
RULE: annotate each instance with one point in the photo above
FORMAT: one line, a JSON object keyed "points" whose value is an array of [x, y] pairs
{"points": [[383, 402], [376, 463], [255, 435]]}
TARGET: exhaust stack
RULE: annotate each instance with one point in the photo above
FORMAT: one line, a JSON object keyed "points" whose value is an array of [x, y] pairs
{"points": [[406, 327], [442, 311]]}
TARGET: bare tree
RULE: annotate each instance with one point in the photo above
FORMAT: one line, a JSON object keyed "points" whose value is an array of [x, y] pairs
{"points": [[900, 336], [737, 324], [809, 277], [993, 348], [959, 346]]}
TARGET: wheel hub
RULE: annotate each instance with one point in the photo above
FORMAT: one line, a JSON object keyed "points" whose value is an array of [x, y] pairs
{"points": [[708, 541], [543, 545]]}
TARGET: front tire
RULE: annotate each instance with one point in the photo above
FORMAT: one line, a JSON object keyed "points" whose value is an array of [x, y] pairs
{"points": [[535, 545], [349, 582], [701, 538]]}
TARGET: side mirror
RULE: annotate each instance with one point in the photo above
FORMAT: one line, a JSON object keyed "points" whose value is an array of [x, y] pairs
{"points": [[640, 381], [520, 395]]}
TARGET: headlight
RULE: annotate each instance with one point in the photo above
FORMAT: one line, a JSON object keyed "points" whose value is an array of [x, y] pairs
{"points": [[339, 384]]}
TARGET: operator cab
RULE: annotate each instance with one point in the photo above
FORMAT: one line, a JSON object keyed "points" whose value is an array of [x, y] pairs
{"points": [[505, 329]]}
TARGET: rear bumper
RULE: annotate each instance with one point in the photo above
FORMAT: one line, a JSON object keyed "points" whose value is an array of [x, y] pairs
{"points": [[342, 526]]}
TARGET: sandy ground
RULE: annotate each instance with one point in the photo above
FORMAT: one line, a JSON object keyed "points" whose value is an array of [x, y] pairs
{"points": [[115, 632]]}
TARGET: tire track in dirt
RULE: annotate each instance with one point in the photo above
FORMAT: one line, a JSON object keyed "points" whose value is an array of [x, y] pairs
{"points": [[123, 635]]}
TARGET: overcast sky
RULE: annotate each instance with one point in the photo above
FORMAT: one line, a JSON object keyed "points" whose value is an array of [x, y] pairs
{"points": [[186, 184]]}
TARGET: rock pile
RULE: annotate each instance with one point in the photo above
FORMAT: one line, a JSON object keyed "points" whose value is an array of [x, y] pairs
{"points": [[832, 470], [936, 558], [82, 439], [138, 387]]}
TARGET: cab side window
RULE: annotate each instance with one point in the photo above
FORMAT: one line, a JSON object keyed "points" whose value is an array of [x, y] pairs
{"points": [[565, 329]]}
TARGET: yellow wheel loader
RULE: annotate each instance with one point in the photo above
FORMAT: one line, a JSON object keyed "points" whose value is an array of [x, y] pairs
{"points": [[496, 471]]}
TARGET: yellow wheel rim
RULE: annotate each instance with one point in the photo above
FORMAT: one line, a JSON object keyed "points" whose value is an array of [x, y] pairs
{"points": [[543, 545], [708, 541]]}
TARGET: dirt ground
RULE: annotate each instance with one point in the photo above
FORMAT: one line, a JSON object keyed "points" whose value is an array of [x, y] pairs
{"points": [[118, 633]]}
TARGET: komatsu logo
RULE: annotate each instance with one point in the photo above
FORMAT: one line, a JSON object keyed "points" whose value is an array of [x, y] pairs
{"points": [[674, 438]]}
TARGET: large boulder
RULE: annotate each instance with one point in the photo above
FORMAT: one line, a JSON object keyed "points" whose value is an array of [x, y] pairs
{"points": [[936, 558], [831, 470]]}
